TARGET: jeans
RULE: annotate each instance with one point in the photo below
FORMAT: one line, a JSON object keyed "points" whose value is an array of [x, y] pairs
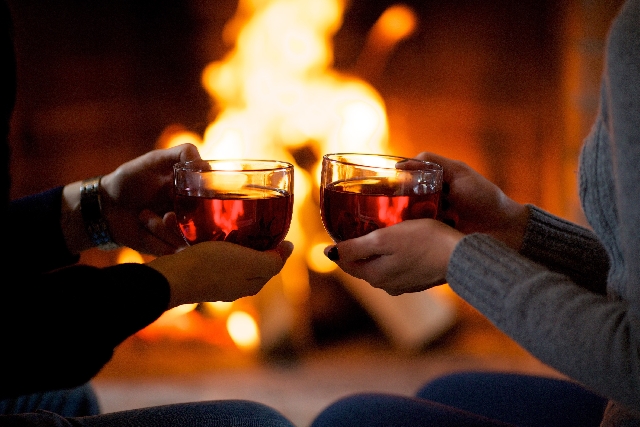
{"points": [[79, 407], [473, 400], [80, 401]]}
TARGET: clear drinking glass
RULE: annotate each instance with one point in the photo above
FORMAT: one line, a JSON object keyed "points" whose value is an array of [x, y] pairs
{"points": [[360, 193], [248, 202]]}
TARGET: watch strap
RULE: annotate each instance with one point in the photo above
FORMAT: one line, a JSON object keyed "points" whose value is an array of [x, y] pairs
{"points": [[94, 221]]}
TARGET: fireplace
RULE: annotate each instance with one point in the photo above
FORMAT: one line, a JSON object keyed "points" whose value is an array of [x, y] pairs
{"points": [[508, 87]]}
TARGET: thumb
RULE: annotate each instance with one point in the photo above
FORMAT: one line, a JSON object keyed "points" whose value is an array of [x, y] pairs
{"points": [[356, 249], [284, 249]]}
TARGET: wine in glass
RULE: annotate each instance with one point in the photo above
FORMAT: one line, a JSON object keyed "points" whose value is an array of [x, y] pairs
{"points": [[360, 193], [248, 202]]}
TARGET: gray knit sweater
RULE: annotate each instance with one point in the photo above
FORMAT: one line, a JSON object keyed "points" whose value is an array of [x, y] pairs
{"points": [[571, 297]]}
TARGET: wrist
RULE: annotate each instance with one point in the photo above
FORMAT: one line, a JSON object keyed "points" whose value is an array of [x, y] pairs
{"points": [[515, 226], [91, 209], [71, 220]]}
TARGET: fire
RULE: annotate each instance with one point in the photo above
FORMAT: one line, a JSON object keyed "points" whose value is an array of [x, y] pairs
{"points": [[243, 330], [275, 96]]}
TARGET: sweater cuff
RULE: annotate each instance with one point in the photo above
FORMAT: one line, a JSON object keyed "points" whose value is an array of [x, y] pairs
{"points": [[482, 270], [566, 248]]}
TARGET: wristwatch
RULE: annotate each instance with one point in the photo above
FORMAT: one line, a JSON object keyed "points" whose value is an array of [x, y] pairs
{"points": [[94, 221]]}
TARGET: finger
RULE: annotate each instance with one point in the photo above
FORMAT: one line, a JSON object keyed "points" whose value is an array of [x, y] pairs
{"points": [[188, 152], [370, 270], [448, 165], [367, 246], [269, 263], [252, 263], [432, 157], [164, 159], [284, 249], [170, 221], [159, 236]]}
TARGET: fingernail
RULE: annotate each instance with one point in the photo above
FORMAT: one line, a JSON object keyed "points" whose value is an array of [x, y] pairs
{"points": [[446, 188], [444, 204], [333, 254]]}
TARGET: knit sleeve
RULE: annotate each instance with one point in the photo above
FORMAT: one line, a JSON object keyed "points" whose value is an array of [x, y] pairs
{"points": [[550, 301], [580, 333], [566, 248]]}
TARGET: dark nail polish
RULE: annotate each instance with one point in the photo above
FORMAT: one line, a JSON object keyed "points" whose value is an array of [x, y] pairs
{"points": [[444, 204], [333, 254]]}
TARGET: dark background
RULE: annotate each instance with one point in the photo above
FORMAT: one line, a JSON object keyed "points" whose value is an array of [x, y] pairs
{"points": [[100, 80]]}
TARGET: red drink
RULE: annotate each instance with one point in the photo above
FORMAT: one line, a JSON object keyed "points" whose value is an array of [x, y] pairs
{"points": [[256, 221], [356, 207]]}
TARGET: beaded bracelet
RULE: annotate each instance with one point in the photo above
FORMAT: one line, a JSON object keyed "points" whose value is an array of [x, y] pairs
{"points": [[94, 221]]}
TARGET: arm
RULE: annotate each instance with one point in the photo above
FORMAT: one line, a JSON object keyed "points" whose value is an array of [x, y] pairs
{"points": [[566, 248], [475, 205], [69, 321], [592, 338], [60, 328], [33, 234], [48, 230], [136, 201], [394, 258], [587, 336], [77, 315]]}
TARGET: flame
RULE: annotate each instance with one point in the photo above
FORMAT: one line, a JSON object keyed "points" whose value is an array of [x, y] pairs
{"points": [[275, 92], [396, 23], [243, 330], [316, 259]]}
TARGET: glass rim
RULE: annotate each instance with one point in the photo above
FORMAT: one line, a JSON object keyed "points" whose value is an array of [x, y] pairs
{"points": [[332, 157], [191, 165]]}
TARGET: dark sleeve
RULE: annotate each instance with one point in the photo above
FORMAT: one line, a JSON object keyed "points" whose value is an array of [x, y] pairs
{"points": [[35, 232], [59, 324], [60, 328]]}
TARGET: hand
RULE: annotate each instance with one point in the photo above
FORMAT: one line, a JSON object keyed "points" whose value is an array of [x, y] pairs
{"points": [[472, 204], [138, 201], [219, 271], [410, 256]]}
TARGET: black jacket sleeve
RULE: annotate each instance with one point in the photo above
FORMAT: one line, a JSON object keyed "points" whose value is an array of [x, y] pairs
{"points": [[35, 232], [60, 328], [59, 322]]}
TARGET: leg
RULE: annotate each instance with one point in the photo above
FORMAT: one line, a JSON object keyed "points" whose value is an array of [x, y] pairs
{"points": [[227, 413], [77, 402], [379, 410], [519, 399]]}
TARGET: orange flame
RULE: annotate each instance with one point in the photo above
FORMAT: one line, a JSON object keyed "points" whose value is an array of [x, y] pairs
{"points": [[275, 92]]}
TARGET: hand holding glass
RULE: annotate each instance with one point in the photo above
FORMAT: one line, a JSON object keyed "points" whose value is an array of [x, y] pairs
{"points": [[360, 193], [248, 202]]}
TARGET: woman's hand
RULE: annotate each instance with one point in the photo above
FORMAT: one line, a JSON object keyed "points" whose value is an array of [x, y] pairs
{"points": [[410, 256], [138, 201], [219, 271], [414, 255], [472, 204]]}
